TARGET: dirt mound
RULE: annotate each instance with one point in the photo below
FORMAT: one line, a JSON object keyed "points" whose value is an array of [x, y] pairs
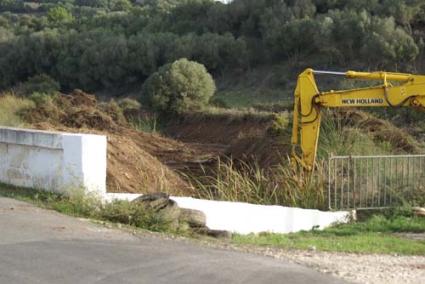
{"points": [[78, 99], [137, 161], [218, 128], [380, 130], [242, 137], [75, 110]]}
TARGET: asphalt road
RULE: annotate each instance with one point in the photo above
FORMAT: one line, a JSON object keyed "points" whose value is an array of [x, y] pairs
{"points": [[42, 246]]}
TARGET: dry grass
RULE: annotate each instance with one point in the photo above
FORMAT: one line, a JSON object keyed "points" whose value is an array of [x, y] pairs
{"points": [[243, 182], [10, 108]]}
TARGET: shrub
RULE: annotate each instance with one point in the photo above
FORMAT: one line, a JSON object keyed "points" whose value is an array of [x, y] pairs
{"points": [[40, 84], [10, 108], [280, 124], [180, 86], [128, 104], [114, 110], [40, 98]]}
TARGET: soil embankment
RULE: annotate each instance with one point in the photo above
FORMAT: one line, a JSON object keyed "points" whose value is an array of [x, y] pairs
{"points": [[144, 162]]}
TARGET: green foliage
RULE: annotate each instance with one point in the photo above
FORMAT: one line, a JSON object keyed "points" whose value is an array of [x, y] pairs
{"points": [[11, 5], [40, 84], [79, 204], [128, 104], [372, 236], [279, 125], [120, 5], [59, 15], [10, 108], [145, 123], [105, 44], [40, 99], [180, 86]]}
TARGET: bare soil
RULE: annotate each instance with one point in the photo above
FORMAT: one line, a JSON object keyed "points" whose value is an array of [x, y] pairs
{"points": [[141, 162], [137, 161]]}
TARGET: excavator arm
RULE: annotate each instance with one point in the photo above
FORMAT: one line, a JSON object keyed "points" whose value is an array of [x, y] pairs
{"points": [[408, 91]]}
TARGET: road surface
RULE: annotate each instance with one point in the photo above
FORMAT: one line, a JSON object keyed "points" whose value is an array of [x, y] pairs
{"points": [[43, 246]]}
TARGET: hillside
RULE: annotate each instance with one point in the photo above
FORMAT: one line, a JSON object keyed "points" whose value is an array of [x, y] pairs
{"points": [[220, 119]]}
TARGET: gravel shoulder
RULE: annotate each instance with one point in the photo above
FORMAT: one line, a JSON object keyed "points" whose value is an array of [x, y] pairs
{"points": [[355, 268]]}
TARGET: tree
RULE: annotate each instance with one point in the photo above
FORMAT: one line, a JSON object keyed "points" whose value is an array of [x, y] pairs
{"points": [[180, 86], [59, 15], [119, 5], [40, 84]]}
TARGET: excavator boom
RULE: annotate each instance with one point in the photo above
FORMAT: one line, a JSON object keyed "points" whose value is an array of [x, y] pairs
{"points": [[409, 91]]}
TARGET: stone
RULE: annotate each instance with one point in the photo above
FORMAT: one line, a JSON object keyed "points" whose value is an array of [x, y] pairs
{"points": [[220, 234], [194, 218], [155, 201], [419, 211]]}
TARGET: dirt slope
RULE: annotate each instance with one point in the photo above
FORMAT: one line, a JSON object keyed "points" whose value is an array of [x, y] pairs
{"points": [[244, 137], [137, 161]]}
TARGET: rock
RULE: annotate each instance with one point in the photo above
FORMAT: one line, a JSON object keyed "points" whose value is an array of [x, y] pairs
{"points": [[419, 211], [171, 212], [219, 234], [194, 218], [213, 233], [155, 201]]}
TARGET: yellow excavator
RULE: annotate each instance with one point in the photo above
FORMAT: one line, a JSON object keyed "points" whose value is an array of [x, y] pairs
{"points": [[396, 90]]}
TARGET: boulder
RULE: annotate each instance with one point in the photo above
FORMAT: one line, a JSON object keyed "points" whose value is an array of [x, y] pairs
{"points": [[155, 201], [419, 211]]}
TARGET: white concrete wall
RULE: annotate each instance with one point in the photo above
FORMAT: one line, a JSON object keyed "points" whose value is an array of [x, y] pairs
{"points": [[245, 218], [52, 160]]}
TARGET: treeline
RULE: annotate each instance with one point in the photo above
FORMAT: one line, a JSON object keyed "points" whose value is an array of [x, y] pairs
{"points": [[112, 43]]}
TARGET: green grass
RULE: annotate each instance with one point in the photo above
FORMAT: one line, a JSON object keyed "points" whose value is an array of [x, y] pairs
{"points": [[78, 204], [373, 236], [377, 235], [246, 98]]}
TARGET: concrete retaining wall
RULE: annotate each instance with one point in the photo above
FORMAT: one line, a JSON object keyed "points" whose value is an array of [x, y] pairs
{"points": [[245, 218], [52, 160]]}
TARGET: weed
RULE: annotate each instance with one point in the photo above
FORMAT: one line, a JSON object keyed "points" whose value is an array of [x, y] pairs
{"points": [[245, 182], [145, 123], [10, 108], [79, 204], [127, 104]]}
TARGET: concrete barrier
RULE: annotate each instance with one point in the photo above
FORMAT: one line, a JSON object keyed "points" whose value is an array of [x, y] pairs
{"points": [[52, 160], [245, 218]]}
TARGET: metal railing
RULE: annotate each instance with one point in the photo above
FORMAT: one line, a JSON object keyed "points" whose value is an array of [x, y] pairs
{"points": [[374, 181]]}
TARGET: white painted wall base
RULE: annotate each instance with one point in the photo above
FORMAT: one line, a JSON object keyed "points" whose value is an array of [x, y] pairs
{"points": [[52, 160]]}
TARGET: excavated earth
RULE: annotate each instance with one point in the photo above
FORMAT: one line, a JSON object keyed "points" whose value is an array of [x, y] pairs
{"points": [[141, 162]]}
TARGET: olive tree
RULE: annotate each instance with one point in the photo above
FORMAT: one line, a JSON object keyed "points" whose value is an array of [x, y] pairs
{"points": [[180, 86]]}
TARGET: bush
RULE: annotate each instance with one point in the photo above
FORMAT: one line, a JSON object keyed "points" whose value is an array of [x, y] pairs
{"points": [[180, 86], [40, 84], [10, 108], [128, 104], [41, 99]]}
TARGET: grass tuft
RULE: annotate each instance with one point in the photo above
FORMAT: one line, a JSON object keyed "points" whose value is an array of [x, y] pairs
{"points": [[244, 182], [10, 108]]}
